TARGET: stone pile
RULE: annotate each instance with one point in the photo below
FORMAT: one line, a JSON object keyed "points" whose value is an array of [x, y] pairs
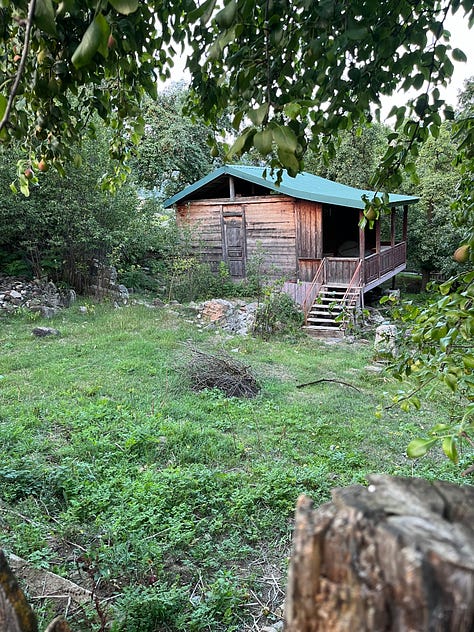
{"points": [[235, 317], [103, 283], [35, 295]]}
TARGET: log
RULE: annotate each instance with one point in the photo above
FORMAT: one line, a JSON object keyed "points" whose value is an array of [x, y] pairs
{"points": [[396, 556]]}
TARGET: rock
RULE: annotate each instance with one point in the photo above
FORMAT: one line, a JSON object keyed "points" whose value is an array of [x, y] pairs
{"points": [[45, 331], [124, 294], [235, 317], [39, 581], [46, 312], [385, 343], [37, 295]]}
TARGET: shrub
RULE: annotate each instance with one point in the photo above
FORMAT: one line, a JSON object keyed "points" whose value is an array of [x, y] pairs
{"points": [[278, 313]]}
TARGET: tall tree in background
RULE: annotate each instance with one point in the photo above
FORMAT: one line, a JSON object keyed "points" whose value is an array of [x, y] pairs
{"points": [[66, 222], [174, 150], [355, 158], [433, 238]]}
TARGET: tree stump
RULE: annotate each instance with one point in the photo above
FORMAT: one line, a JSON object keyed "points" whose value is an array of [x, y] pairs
{"points": [[16, 614], [397, 556]]}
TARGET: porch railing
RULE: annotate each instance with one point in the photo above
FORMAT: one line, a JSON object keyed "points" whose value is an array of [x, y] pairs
{"points": [[378, 264], [354, 287]]}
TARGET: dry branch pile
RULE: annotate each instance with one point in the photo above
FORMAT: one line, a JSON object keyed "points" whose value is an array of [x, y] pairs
{"points": [[219, 370]]}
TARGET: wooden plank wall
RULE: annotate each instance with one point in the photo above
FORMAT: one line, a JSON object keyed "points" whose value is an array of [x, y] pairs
{"points": [[271, 230], [297, 291], [204, 220]]}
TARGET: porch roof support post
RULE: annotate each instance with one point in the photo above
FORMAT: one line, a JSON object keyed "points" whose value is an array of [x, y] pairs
{"points": [[405, 222], [392, 226], [231, 188], [377, 234], [362, 248], [361, 237]]}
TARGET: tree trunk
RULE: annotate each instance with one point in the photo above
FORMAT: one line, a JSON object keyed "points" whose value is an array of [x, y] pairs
{"points": [[397, 556], [16, 614], [425, 279]]}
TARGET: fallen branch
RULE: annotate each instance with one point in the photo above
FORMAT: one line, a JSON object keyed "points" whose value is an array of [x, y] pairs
{"points": [[327, 379]]}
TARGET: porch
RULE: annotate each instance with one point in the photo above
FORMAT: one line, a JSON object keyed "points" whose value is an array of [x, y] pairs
{"points": [[374, 269], [330, 300]]}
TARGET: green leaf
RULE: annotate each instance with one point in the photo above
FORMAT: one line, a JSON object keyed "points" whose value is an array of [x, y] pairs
{"points": [[289, 161], [44, 16], [257, 116], [285, 138], [262, 141], [3, 105], [356, 33], [419, 447], [242, 143], [225, 17], [458, 55], [94, 40], [292, 110], [451, 381], [124, 6], [450, 449], [468, 361]]}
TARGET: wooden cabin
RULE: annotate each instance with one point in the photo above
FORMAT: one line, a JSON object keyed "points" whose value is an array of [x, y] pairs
{"points": [[305, 229]]}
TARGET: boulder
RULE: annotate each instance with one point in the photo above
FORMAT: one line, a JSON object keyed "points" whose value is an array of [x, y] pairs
{"points": [[385, 343]]}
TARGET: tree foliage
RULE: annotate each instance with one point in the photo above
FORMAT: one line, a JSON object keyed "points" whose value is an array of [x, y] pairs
{"points": [[433, 238], [438, 354], [299, 74], [294, 73], [356, 157], [65, 61], [66, 221], [174, 151]]}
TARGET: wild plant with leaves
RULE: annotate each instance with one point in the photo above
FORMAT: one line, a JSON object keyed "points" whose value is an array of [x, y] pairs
{"points": [[439, 355]]}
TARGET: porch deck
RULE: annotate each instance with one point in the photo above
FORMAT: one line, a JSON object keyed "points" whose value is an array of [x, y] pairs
{"points": [[374, 270]]}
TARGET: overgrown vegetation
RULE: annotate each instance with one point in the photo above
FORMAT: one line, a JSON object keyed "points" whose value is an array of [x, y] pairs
{"points": [[176, 505]]}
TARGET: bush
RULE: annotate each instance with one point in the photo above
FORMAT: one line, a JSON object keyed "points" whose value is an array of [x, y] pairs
{"points": [[278, 313]]}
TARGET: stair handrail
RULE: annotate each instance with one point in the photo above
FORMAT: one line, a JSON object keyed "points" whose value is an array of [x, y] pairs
{"points": [[314, 288], [346, 303]]}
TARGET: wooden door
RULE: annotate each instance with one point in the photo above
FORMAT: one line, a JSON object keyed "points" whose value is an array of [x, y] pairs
{"points": [[309, 238], [233, 242]]}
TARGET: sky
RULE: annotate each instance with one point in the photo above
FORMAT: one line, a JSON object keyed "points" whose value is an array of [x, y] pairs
{"points": [[462, 37]]}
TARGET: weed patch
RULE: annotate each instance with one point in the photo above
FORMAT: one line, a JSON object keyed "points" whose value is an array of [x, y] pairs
{"points": [[172, 502]]}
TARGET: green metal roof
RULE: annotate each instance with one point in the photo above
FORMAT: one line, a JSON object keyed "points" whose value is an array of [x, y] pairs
{"points": [[304, 187]]}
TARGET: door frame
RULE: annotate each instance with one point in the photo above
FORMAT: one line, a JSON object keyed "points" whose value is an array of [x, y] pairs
{"points": [[237, 213]]}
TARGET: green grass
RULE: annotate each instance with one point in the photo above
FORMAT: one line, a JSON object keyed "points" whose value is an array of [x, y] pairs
{"points": [[177, 503]]}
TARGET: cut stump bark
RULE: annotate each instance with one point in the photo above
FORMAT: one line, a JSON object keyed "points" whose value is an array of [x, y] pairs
{"points": [[397, 556], [16, 615]]}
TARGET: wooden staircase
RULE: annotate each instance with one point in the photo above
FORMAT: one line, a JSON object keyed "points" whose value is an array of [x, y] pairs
{"points": [[330, 307], [333, 309]]}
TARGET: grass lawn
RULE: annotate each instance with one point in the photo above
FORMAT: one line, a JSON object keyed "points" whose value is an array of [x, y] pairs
{"points": [[176, 506]]}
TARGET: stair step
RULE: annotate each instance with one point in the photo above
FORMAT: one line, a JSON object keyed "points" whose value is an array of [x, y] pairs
{"points": [[323, 331], [324, 321]]}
